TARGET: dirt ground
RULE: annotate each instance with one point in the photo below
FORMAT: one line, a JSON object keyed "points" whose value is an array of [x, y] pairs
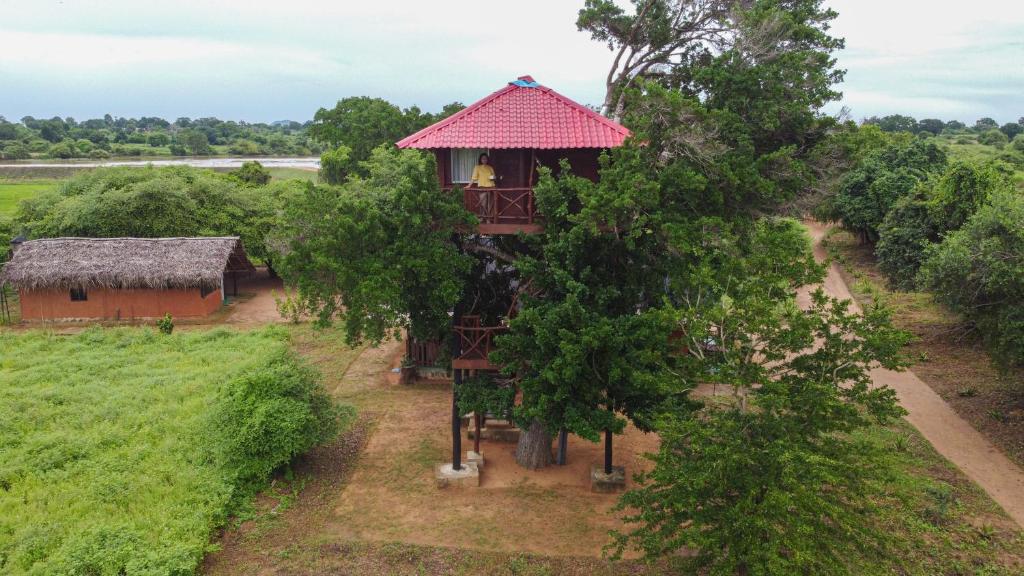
{"points": [[255, 304], [951, 435], [390, 495]]}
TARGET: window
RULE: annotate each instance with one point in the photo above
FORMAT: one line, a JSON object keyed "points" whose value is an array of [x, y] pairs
{"points": [[463, 161], [79, 295], [205, 291]]}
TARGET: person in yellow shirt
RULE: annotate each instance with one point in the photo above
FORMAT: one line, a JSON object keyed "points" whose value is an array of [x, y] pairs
{"points": [[483, 178]]}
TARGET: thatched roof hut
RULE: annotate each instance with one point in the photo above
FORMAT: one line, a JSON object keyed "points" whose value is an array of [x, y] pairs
{"points": [[124, 263]]}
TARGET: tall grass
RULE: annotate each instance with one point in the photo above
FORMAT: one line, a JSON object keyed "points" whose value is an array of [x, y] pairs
{"points": [[122, 450]]}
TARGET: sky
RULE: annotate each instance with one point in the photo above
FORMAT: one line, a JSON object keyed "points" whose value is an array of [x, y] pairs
{"points": [[266, 60]]}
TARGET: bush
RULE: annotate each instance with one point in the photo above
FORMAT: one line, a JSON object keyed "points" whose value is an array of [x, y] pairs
{"points": [[165, 324], [245, 148], [978, 271], [867, 192], [63, 150], [993, 137], [908, 229], [1018, 143], [15, 152], [268, 416], [153, 203], [99, 154], [251, 173], [938, 206]]}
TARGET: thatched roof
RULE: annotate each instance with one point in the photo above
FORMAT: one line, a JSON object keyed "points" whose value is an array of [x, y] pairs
{"points": [[125, 263]]}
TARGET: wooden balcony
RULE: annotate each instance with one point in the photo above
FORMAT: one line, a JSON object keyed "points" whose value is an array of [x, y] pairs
{"points": [[476, 343], [503, 210]]}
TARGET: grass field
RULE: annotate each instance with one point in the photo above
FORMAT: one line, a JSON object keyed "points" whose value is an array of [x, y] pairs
{"points": [[293, 174], [14, 191], [111, 458]]}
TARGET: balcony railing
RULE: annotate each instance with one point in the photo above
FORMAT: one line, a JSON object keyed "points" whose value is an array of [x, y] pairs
{"points": [[476, 344], [502, 210]]}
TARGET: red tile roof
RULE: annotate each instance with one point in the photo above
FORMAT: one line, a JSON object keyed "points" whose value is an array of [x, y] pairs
{"points": [[523, 114]]}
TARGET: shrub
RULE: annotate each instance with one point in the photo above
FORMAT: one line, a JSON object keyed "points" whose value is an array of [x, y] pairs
{"points": [[979, 272], [1018, 143], [64, 150], [867, 192], [993, 137], [268, 416], [99, 154], [252, 173], [908, 229], [937, 207], [15, 152], [165, 324], [290, 306]]}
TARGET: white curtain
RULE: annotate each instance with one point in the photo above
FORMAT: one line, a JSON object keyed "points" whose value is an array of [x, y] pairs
{"points": [[463, 161]]}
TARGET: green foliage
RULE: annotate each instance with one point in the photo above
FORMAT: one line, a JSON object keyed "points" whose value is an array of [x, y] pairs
{"points": [[377, 251], [485, 394], [266, 417], [64, 150], [251, 173], [153, 203], [165, 324], [769, 480], [900, 123], [1011, 129], [196, 142], [14, 151], [936, 207], [361, 124], [114, 454], [868, 192], [993, 137], [336, 165], [979, 272], [1018, 143]]}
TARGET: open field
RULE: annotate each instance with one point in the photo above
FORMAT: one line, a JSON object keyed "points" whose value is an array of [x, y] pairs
{"points": [[293, 174], [111, 456], [945, 357], [379, 511], [14, 191]]}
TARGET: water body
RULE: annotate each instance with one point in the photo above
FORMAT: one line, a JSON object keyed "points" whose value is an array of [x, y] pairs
{"points": [[304, 163]]}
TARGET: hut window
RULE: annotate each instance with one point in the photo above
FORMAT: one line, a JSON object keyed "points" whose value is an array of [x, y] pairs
{"points": [[79, 295], [206, 291], [463, 161]]}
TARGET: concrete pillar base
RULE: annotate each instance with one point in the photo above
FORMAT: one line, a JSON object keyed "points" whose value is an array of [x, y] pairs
{"points": [[448, 477], [475, 458], [607, 483]]}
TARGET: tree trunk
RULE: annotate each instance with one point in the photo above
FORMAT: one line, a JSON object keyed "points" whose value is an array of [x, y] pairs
{"points": [[534, 448]]}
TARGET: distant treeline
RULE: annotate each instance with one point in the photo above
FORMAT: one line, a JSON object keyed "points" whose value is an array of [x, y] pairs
{"points": [[900, 123], [361, 123], [109, 136]]}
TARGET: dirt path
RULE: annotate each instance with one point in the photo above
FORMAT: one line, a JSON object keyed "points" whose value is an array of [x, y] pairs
{"points": [[951, 436]]}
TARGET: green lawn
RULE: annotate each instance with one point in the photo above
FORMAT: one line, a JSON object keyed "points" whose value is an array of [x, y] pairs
{"points": [[14, 191], [114, 455], [293, 174]]}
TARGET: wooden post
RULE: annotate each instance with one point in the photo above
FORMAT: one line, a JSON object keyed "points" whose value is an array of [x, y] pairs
{"points": [[456, 422], [476, 439], [563, 446], [608, 451], [456, 350]]}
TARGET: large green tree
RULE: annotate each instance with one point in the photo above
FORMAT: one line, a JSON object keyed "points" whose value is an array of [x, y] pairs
{"points": [[378, 251], [361, 124]]}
